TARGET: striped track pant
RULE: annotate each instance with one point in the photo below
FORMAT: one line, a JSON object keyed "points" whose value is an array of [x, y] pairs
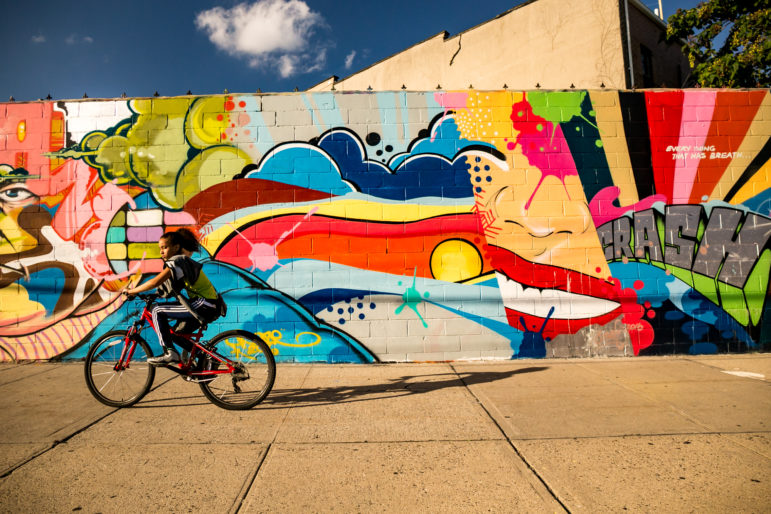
{"points": [[164, 312]]}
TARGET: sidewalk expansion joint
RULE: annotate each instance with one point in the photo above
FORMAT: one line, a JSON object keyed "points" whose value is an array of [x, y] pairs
{"points": [[244, 492], [65, 439], [511, 443], [250, 478]]}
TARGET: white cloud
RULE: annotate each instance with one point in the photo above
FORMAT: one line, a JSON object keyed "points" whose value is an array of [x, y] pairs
{"points": [[74, 39], [286, 65], [40, 38], [349, 59], [274, 33]]}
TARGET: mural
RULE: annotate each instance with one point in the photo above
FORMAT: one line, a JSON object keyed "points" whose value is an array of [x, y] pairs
{"points": [[399, 226]]}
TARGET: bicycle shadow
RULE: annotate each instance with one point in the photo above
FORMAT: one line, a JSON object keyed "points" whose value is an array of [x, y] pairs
{"points": [[282, 398], [394, 388]]}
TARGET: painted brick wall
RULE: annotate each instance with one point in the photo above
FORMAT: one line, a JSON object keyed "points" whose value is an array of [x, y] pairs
{"points": [[399, 226]]}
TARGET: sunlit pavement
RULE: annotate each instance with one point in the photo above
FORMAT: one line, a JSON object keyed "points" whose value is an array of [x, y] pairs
{"points": [[638, 434]]}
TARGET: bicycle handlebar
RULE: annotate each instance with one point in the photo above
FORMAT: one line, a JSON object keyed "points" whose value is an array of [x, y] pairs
{"points": [[145, 297]]}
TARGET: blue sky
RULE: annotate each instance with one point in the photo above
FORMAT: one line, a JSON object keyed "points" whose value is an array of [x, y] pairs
{"points": [[171, 46]]}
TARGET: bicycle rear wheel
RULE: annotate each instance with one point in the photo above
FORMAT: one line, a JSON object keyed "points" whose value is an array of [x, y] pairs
{"points": [[253, 378], [118, 388]]}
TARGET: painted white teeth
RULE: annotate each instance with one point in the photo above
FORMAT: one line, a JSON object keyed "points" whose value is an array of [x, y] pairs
{"points": [[538, 302]]}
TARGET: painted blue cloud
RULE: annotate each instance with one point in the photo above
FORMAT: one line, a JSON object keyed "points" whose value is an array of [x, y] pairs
{"points": [[443, 139], [303, 165], [417, 176], [338, 164]]}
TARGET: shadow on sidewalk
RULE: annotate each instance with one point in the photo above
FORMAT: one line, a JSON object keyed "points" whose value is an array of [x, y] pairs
{"points": [[394, 388]]}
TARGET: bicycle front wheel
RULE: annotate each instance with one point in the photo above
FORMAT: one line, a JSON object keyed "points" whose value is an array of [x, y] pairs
{"points": [[123, 385], [253, 377]]}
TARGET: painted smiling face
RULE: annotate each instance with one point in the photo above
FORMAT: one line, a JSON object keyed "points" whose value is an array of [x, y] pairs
{"points": [[542, 241]]}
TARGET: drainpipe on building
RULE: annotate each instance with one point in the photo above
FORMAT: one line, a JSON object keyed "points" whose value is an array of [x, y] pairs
{"points": [[661, 10], [629, 44]]}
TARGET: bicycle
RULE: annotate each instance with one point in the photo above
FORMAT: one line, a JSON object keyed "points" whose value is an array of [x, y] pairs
{"points": [[235, 370]]}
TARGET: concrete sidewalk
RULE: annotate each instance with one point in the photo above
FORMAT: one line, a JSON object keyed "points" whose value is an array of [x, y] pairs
{"points": [[677, 434]]}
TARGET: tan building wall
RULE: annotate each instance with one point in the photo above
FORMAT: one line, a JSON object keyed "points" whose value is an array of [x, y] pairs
{"points": [[550, 43]]}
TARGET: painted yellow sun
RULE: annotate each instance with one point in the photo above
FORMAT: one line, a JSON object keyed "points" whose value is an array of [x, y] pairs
{"points": [[455, 260]]}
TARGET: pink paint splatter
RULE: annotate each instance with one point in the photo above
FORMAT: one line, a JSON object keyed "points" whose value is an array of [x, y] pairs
{"points": [[264, 256], [544, 145], [603, 210]]}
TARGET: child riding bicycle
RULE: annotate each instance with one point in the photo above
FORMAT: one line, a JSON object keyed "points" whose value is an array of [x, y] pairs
{"points": [[202, 305]]}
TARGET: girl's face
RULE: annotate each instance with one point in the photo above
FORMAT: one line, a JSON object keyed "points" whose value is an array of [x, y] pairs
{"points": [[167, 249]]}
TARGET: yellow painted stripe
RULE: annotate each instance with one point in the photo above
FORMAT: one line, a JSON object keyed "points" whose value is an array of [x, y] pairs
{"points": [[759, 182]]}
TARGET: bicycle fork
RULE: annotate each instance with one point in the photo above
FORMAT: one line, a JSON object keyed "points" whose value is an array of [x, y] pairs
{"points": [[129, 346]]}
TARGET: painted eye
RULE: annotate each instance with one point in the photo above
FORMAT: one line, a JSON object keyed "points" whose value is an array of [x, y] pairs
{"points": [[16, 195]]}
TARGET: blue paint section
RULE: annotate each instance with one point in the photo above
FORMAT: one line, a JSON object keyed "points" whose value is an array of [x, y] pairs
{"points": [[420, 176], [760, 203], [45, 287], [309, 279], [703, 349], [303, 165], [685, 316], [533, 343], [340, 163], [442, 138]]}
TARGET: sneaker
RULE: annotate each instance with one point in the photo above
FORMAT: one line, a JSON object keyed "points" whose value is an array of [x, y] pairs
{"points": [[168, 357]]}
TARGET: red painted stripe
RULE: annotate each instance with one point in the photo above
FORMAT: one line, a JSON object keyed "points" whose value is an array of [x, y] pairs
{"points": [[665, 111]]}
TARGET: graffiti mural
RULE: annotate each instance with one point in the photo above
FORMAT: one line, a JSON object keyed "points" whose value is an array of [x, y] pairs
{"points": [[409, 226]]}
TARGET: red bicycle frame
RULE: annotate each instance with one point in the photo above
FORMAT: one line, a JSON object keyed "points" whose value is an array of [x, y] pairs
{"points": [[184, 368]]}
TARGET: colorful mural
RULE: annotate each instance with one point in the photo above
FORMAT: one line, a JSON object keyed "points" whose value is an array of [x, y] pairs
{"points": [[398, 226]]}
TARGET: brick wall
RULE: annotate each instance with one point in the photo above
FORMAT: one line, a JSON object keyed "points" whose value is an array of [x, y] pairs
{"points": [[399, 226]]}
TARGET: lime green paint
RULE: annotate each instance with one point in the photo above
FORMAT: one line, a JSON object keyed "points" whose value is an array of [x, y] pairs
{"points": [[756, 288], [732, 301], [559, 106], [683, 274], [706, 286]]}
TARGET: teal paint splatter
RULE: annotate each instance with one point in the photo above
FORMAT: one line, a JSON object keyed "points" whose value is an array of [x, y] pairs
{"points": [[412, 298]]}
